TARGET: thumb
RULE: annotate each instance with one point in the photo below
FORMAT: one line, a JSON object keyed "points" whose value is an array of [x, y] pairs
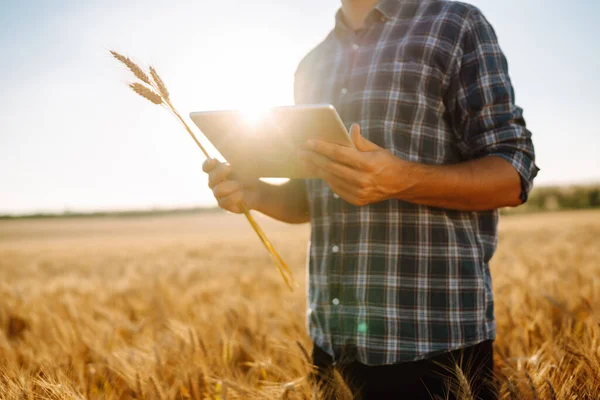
{"points": [[361, 143]]}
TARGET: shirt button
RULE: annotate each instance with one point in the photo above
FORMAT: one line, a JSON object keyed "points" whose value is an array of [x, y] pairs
{"points": [[355, 47], [335, 196], [335, 301], [344, 91], [335, 249]]}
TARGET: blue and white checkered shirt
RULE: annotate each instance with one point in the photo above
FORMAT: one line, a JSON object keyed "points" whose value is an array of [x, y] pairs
{"points": [[394, 281]]}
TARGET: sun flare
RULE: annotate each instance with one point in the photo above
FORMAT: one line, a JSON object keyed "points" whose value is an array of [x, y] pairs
{"points": [[253, 115]]}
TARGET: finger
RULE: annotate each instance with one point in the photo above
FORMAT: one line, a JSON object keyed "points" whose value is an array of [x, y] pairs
{"points": [[350, 193], [209, 165], [361, 143], [226, 188], [340, 170], [341, 154], [335, 182], [218, 175], [232, 202]]}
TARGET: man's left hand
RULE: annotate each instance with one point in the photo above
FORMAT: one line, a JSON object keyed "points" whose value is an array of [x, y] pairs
{"points": [[364, 175]]}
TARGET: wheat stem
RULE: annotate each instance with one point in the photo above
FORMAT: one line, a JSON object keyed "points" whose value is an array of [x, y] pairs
{"points": [[279, 263], [187, 128]]}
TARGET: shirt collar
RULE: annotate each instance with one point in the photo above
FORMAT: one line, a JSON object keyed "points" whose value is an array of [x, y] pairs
{"points": [[384, 10], [397, 9]]}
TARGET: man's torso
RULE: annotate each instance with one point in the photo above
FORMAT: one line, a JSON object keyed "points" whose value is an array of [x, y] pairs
{"points": [[395, 281]]}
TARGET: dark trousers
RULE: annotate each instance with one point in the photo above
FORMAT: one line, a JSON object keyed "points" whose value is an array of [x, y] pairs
{"points": [[433, 378]]}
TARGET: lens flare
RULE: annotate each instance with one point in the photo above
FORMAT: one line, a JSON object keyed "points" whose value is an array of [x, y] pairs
{"points": [[253, 115]]}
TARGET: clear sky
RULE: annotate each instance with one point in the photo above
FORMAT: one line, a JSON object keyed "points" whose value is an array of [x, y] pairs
{"points": [[72, 136]]}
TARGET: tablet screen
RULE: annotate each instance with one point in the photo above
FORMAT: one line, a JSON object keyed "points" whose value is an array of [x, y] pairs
{"points": [[267, 146]]}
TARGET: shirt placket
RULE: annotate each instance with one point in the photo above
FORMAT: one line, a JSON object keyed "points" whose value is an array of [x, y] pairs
{"points": [[342, 90]]}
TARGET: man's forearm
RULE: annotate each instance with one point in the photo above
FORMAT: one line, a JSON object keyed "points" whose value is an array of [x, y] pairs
{"points": [[286, 203], [482, 184], [369, 174]]}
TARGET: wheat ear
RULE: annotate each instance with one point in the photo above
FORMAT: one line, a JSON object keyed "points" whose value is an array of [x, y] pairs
{"points": [[160, 85], [146, 93], [158, 94], [133, 67]]}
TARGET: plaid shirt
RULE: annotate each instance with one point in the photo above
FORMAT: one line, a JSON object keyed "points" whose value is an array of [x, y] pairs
{"points": [[394, 281]]}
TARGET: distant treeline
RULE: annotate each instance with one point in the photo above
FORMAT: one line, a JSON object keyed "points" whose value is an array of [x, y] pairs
{"points": [[117, 214], [545, 198], [553, 198]]}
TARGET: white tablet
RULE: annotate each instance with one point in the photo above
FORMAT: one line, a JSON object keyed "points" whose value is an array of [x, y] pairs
{"points": [[265, 145]]}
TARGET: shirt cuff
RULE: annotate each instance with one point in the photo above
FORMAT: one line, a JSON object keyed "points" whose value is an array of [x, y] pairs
{"points": [[526, 168]]}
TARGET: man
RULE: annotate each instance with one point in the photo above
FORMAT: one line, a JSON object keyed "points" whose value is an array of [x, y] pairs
{"points": [[403, 226]]}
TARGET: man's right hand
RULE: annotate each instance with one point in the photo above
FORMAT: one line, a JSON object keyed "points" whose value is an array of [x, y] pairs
{"points": [[229, 191]]}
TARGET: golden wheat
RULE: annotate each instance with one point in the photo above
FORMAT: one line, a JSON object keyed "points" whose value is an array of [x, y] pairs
{"points": [[181, 308]]}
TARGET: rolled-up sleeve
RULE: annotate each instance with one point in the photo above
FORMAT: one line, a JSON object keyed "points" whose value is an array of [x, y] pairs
{"points": [[481, 103]]}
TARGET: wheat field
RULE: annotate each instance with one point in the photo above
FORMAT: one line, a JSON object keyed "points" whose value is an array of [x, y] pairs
{"points": [[191, 307]]}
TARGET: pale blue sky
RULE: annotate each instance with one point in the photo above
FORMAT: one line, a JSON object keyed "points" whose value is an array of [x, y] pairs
{"points": [[73, 137]]}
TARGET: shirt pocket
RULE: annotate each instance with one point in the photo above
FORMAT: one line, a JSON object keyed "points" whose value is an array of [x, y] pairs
{"points": [[406, 111]]}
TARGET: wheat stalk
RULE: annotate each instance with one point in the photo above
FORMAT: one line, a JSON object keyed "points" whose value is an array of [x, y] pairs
{"points": [[156, 92]]}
